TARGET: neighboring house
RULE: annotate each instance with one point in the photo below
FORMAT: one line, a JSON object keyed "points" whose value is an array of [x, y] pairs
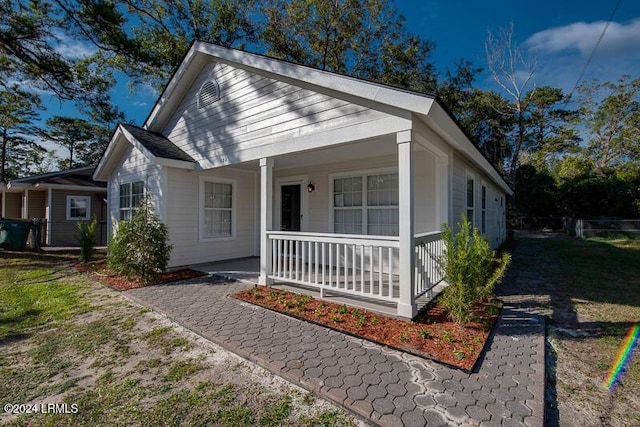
{"points": [[338, 184], [60, 199]]}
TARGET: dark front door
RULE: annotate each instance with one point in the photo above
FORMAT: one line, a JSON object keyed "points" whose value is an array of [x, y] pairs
{"points": [[290, 210]]}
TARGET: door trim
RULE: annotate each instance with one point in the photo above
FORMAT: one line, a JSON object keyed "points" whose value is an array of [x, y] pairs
{"points": [[303, 181]]}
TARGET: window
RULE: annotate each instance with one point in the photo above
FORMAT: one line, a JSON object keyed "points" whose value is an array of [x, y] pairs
{"points": [[483, 224], [366, 205], [78, 207], [348, 203], [470, 197], [217, 210], [131, 195]]}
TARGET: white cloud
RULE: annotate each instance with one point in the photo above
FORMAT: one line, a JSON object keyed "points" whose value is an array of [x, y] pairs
{"points": [[582, 37], [30, 86], [73, 49]]}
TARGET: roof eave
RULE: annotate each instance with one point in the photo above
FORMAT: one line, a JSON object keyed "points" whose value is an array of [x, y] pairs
{"points": [[181, 164], [457, 138], [45, 186], [103, 169]]}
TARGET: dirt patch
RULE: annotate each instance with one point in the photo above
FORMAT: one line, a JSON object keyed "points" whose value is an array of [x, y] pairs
{"points": [[430, 335], [99, 270]]}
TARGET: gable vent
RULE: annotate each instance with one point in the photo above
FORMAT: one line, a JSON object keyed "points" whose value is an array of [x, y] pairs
{"points": [[208, 94]]}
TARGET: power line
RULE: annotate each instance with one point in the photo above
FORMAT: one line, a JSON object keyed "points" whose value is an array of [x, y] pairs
{"points": [[593, 52]]}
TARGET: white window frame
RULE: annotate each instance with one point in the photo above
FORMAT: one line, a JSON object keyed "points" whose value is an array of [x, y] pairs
{"points": [[131, 208], [201, 208], [484, 197], [78, 218], [472, 207], [365, 207]]}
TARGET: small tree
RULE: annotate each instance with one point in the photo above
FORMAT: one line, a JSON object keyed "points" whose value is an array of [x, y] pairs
{"points": [[470, 268], [139, 247], [87, 238]]}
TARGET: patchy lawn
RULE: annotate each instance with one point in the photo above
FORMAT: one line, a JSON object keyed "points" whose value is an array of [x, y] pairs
{"points": [[431, 335], [65, 338], [592, 291]]}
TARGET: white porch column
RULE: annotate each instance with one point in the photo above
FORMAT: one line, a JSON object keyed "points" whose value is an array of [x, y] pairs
{"points": [[406, 305], [266, 210], [25, 205]]}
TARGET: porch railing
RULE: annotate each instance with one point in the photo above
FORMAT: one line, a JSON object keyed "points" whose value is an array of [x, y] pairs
{"points": [[428, 247], [352, 264]]}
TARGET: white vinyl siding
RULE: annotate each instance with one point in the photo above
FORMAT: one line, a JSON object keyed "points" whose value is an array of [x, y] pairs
{"points": [[184, 200], [372, 212], [494, 212], [217, 209], [78, 208], [254, 112], [134, 166]]}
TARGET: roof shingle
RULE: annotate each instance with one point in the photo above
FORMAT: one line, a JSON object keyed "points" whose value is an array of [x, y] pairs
{"points": [[158, 144]]}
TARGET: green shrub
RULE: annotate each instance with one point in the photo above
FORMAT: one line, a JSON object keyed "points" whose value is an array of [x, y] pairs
{"points": [[139, 247], [470, 268], [87, 238]]}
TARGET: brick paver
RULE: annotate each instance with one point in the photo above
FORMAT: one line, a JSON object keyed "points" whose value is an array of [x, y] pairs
{"points": [[385, 386]]}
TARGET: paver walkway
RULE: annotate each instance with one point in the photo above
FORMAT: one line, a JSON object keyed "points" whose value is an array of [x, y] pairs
{"points": [[385, 386]]}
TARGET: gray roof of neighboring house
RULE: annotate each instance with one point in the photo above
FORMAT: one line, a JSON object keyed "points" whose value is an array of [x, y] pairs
{"points": [[77, 177], [158, 144]]}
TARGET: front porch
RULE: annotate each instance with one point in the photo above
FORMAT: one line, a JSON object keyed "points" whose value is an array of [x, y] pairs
{"points": [[359, 271], [373, 236]]}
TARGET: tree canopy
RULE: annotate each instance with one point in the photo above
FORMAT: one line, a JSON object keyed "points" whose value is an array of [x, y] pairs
{"points": [[566, 148]]}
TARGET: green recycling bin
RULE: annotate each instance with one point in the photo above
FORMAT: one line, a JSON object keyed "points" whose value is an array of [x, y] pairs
{"points": [[14, 234]]}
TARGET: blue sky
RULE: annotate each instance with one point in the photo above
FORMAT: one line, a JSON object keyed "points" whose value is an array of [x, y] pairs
{"points": [[561, 33]]}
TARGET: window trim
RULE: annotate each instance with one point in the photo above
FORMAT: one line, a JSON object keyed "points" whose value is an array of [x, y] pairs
{"points": [[78, 218], [201, 187], [484, 197], [472, 208], [363, 173], [131, 208]]}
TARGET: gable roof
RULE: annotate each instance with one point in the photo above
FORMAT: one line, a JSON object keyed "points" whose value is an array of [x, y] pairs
{"points": [[153, 145], [404, 103], [72, 178], [158, 144], [301, 75]]}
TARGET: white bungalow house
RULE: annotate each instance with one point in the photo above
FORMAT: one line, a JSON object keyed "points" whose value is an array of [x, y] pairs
{"points": [[336, 183]]}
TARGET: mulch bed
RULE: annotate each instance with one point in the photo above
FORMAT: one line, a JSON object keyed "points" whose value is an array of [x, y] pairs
{"points": [[431, 335], [99, 270]]}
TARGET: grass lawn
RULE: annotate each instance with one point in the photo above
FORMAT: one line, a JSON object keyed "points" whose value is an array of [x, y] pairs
{"points": [[67, 339], [594, 300]]}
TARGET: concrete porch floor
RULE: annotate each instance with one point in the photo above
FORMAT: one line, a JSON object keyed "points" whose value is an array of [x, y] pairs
{"points": [[247, 271]]}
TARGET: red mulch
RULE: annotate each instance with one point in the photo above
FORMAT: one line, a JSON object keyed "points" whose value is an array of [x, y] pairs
{"points": [[100, 271], [431, 334]]}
